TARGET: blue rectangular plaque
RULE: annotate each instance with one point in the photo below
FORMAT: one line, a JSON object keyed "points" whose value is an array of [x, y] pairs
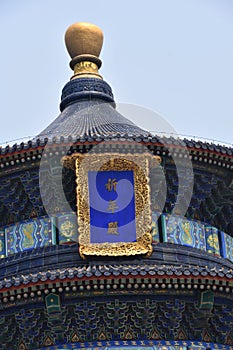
{"points": [[112, 206]]}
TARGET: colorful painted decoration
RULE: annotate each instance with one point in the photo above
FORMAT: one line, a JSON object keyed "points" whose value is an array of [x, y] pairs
{"points": [[53, 303], [39, 232], [179, 230], [207, 300], [2, 244], [138, 345], [226, 246], [67, 228], [212, 241], [29, 234]]}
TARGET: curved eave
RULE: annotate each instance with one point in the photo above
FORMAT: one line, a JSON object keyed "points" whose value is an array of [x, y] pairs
{"points": [[166, 265], [181, 278], [31, 151]]}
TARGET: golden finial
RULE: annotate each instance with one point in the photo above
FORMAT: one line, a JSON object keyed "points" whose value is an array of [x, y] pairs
{"points": [[84, 42]]}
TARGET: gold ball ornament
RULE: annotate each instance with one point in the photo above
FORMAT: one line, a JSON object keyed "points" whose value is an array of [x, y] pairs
{"points": [[84, 38]]}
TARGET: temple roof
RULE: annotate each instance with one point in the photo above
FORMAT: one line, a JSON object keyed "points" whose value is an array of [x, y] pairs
{"points": [[166, 260], [88, 111], [87, 104], [87, 108]]}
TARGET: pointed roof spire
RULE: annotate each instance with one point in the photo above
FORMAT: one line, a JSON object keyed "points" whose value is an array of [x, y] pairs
{"points": [[84, 42], [87, 103]]}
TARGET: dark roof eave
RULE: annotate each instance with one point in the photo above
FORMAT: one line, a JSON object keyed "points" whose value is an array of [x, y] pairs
{"points": [[28, 149]]}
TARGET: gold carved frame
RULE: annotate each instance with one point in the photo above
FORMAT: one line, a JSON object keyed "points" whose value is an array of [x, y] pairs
{"points": [[139, 163]]}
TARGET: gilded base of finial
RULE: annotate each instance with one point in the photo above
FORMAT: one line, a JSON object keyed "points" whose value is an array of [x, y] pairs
{"points": [[86, 69]]}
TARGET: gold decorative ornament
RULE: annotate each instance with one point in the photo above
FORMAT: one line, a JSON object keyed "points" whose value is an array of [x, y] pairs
{"points": [[68, 162], [84, 42], [139, 164], [68, 229], [86, 68]]}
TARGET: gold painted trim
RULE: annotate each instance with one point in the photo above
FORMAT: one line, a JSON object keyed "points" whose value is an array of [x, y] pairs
{"points": [[86, 69]]}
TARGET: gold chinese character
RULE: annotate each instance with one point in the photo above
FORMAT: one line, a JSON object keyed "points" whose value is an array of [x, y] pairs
{"points": [[112, 206], [112, 227], [111, 185]]}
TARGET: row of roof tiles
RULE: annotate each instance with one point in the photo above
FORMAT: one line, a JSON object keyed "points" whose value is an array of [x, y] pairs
{"points": [[115, 271], [163, 141]]}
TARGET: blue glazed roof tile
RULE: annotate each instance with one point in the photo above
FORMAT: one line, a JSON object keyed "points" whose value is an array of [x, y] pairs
{"points": [[115, 270]]}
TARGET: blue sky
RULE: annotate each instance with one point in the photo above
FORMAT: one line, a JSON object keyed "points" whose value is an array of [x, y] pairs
{"points": [[171, 56]]}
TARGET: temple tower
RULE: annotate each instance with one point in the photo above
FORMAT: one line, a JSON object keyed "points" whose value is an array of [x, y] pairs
{"points": [[112, 237]]}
